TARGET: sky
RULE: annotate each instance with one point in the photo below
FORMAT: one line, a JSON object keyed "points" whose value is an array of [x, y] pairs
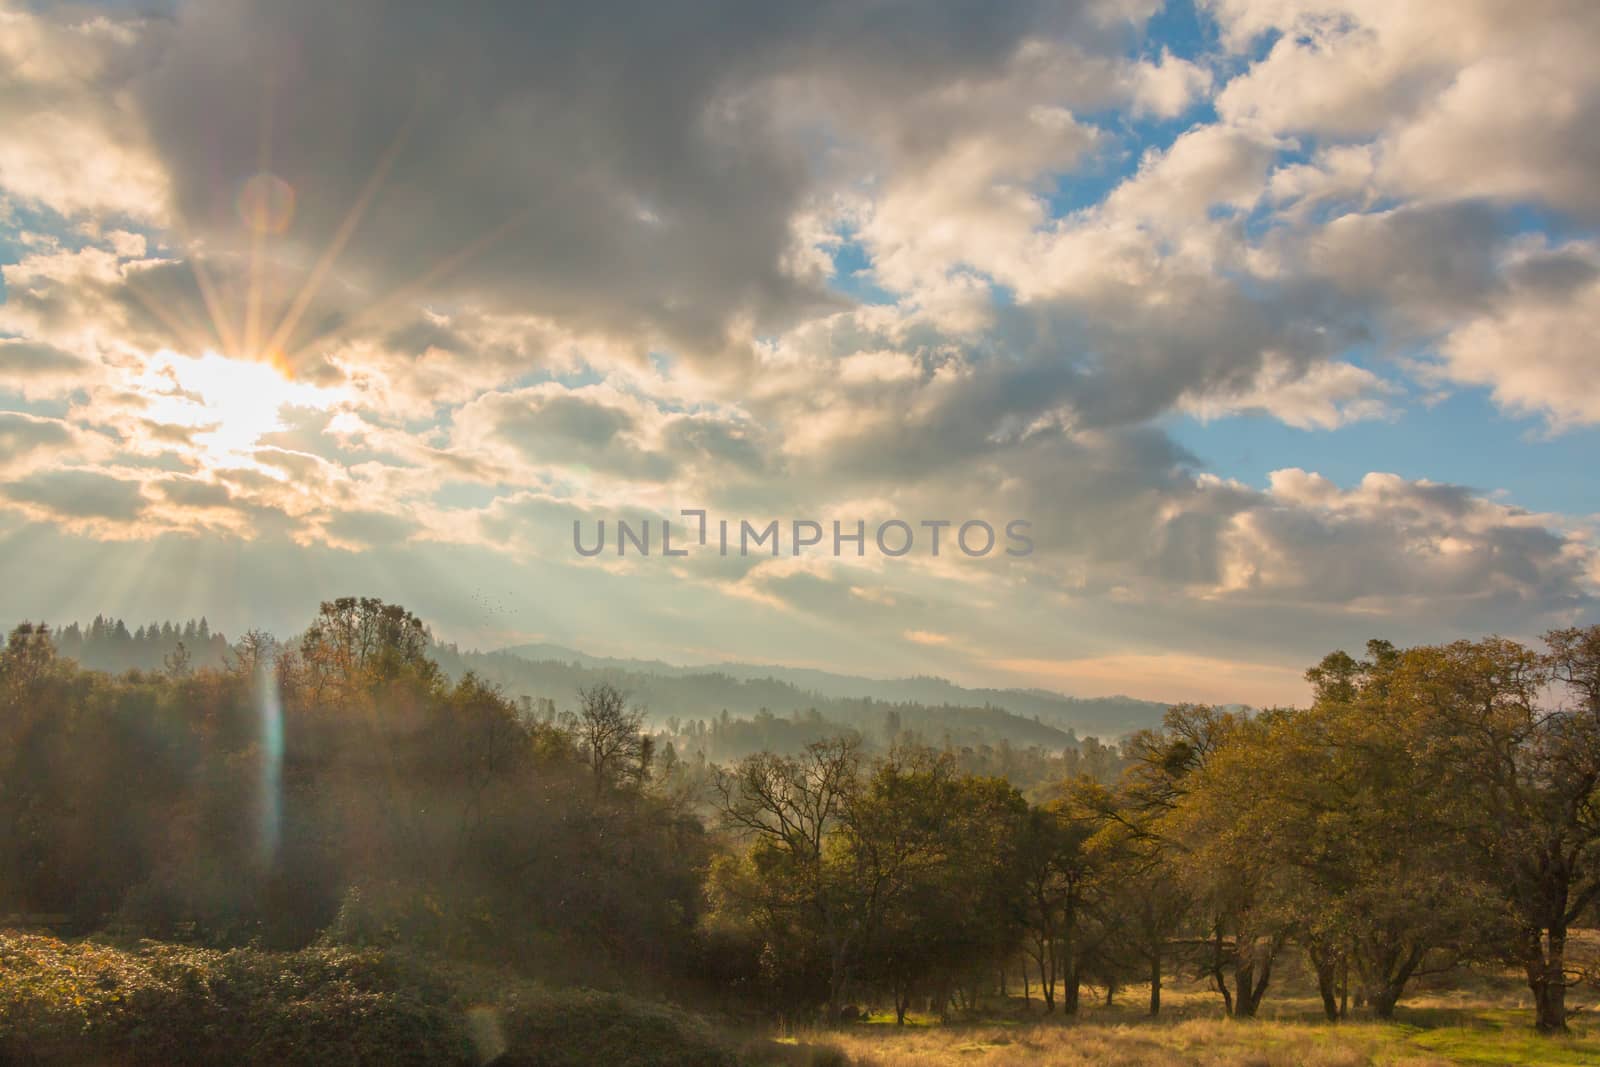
{"points": [[1274, 319]]}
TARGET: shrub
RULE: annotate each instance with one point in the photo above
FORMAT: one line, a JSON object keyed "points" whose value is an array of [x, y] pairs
{"points": [[160, 1004]]}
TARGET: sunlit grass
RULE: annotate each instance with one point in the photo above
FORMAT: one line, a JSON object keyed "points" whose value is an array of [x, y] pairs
{"points": [[1477, 1020], [1215, 1042]]}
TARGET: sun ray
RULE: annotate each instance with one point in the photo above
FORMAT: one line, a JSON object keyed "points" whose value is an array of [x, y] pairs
{"points": [[259, 225], [189, 330], [341, 237], [208, 292], [407, 289]]}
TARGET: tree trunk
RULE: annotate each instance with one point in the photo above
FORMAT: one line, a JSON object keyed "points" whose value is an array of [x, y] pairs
{"points": [[1155, 985], [1244, 1005], [1545, 960], [1330, 999], [1216, 974], [1251, 986], [836, 981], [1393, 985], [1324, 961]]}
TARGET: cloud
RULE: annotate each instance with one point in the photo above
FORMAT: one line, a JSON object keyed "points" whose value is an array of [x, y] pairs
{"points": [[73, 144], [1534, 347], [1397, 545], [79, 494], [1324, 396], [1168, 87], [363, 529], [38, 370], [622, 168], [24, 437], [549, 426], [1492, 102], [969, 260], [191, 492]]}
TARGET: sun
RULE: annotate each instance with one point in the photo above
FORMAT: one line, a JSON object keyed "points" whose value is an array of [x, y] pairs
{"points": [[228, 404]]}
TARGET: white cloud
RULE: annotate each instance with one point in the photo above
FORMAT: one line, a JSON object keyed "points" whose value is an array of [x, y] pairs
{"points": [[73, 144], [1169, 86], [1535, 347], [1323, 396]]}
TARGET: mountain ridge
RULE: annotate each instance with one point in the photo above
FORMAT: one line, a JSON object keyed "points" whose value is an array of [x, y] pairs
{"points": [[1109, 716]]}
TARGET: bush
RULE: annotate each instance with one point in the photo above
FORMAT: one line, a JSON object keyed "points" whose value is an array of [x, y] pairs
{"points": [[161, 1004], [158, 1004]]}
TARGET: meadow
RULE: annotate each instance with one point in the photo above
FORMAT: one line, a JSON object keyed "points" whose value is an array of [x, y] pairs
{"points": [[1486, 1023]]}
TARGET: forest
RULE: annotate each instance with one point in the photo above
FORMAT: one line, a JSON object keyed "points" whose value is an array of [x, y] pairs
{"points": [[1432, 813]]}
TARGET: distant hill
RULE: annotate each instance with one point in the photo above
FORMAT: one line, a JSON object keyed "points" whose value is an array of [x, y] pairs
{"points": [[782, 707], [798, 688]]}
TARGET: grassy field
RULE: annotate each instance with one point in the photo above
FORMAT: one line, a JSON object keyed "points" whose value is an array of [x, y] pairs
{"points": [[1483, 1020], [1215, 1043]]}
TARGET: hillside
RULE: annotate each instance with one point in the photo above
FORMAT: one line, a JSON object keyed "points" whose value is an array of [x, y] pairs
{"points": [[933, 708], [687, 696], [1103, 717]]}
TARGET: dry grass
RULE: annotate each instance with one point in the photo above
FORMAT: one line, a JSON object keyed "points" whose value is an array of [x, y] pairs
{"points": [[1476, 1020], [1212, 1043]]}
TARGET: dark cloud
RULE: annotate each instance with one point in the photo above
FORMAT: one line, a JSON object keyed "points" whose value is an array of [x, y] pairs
{"points": [[737, 446], [628, 145], [79, 494], [24, 363], [22, 435], [194, 492], [551, 427], [367, 528]]}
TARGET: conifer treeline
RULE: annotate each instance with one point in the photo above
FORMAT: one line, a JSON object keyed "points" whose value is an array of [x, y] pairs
{"points": [[106, 644]]}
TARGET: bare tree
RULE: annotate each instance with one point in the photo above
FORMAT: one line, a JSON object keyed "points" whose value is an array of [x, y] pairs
{"points": [[256, 650], [609, 737]]}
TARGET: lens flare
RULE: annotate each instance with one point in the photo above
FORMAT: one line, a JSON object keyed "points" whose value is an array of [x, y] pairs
{"points": [[269, 707], [266, 203], [486, 1032]]}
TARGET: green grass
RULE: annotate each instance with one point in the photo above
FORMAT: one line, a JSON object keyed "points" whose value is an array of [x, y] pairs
{"points": [[1494, 1046]]}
